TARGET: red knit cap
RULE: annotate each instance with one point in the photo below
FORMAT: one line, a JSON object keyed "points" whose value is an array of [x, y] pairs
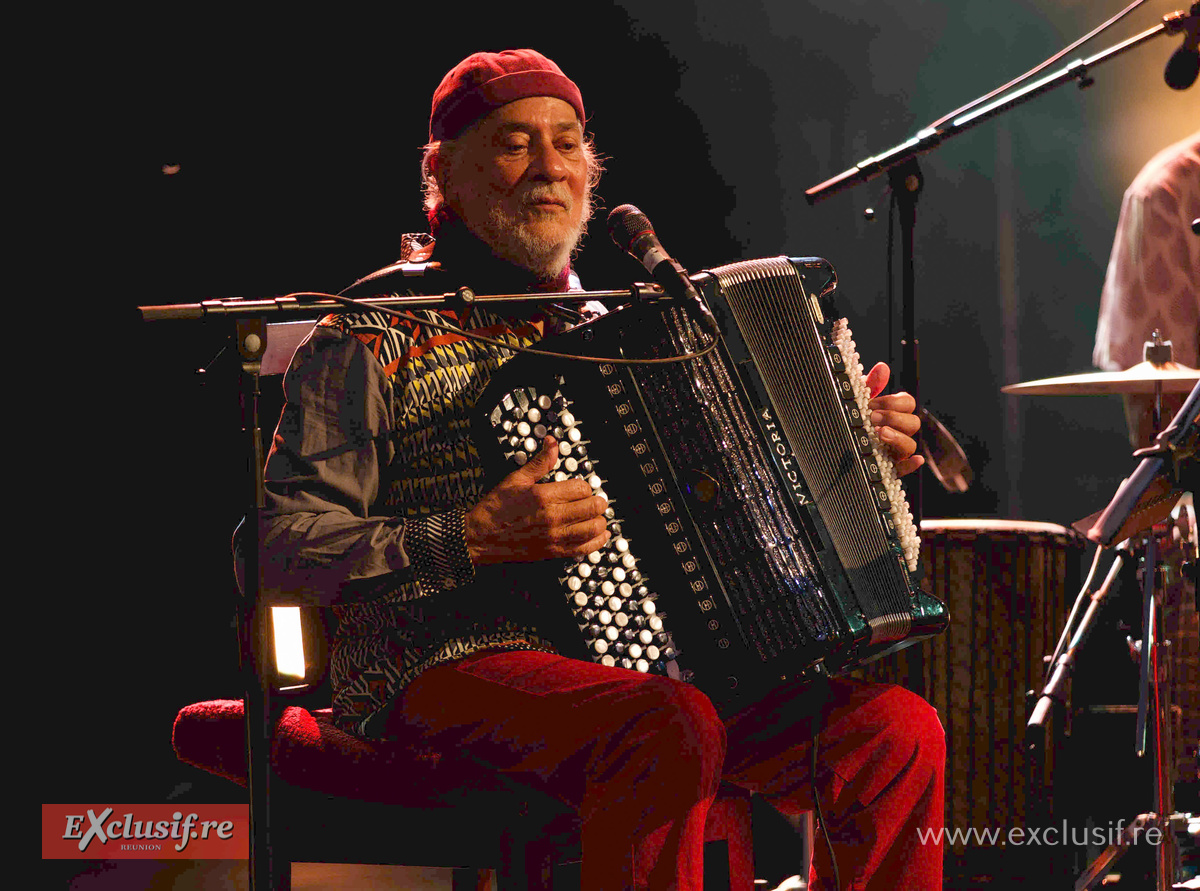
{"points": [[484, 81]]}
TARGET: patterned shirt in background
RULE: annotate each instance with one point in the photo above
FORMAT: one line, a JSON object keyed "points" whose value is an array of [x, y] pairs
{"points": [[1153, 278]]}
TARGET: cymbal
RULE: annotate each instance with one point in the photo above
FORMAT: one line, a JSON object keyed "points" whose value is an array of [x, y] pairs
{"points": [[1141, 378]]}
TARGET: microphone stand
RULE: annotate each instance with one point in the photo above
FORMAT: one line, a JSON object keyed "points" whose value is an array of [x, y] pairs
{"points": [[900, 163], [255, 641], [1172, 456]]}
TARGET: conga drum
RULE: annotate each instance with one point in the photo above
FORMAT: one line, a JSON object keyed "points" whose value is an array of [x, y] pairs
{"points": [[1009, 586]]}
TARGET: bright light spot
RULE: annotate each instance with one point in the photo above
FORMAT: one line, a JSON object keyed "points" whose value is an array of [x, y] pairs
{"points": [[289, 641]]}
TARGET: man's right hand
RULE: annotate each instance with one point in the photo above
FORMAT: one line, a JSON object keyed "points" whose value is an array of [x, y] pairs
{"points": [[522, 520]]}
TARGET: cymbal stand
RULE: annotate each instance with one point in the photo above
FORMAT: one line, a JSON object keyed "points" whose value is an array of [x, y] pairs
{"points": [[1159, 823]]}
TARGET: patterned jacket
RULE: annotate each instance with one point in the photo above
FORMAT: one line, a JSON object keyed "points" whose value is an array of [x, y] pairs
{"points": [[371, 471]]}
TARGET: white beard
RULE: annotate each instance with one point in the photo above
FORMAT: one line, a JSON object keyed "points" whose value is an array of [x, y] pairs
{"points": [[521, 244], [516, 241]]}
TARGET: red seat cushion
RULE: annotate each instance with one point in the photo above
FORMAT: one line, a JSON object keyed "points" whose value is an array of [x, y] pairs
{"points": [[309, 751]]}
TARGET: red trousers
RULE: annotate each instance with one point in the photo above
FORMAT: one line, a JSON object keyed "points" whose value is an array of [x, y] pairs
{"points": [[634, 753]]}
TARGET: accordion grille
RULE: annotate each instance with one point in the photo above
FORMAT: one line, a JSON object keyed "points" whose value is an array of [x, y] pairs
{"points": [[766, 570], [774, 317]]}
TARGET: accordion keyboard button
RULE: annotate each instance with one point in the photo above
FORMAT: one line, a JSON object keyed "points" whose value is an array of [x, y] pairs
{"points": [[871, 466], [845, 386]]}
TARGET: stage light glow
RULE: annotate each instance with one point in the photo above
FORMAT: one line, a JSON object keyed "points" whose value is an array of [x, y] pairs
{"points": [[289, 641]]}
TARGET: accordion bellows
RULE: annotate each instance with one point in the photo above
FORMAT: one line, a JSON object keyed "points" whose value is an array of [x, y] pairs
{"points": [[758, 529]]}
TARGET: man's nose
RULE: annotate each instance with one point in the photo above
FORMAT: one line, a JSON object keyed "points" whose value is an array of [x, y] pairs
{"points": [[548, 164]]}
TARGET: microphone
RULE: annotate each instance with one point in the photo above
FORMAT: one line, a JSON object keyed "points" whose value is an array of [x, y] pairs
{"points": [[633, 234], [1184, 64]]}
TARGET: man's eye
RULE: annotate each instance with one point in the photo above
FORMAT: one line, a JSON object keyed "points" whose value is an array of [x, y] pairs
{"points": [[514, 147]]}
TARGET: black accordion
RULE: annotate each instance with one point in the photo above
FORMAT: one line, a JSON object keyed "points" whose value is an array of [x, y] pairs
{"points": [[757, 529]]}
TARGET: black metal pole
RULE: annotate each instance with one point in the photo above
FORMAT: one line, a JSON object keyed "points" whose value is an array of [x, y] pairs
{"points": [[906, 183]]}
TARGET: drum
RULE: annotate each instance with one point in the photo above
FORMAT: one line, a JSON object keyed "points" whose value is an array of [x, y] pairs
{"points": [[1009, 586]]}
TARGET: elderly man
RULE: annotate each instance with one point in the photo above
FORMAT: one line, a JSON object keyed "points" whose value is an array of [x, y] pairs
{"points": [[377, 508]]}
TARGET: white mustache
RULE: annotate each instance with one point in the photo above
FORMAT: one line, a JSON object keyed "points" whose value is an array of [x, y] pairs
{"points": [[536, 196]]}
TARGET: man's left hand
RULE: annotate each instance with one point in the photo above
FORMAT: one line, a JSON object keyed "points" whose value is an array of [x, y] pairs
{"points": [[895, 420]]}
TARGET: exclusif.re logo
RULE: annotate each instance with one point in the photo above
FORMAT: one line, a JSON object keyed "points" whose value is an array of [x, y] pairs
{"points": [[150, 831], [131, 831]]}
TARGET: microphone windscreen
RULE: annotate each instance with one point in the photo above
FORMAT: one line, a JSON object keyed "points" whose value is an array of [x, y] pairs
{"points": [[625, 224], [1182, 68]]}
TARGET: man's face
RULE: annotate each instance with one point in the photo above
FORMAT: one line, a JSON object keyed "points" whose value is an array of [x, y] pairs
{"points": [[518, 179]]}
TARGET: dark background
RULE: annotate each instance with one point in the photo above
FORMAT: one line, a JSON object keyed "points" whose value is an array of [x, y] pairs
{"points": [[297, 140]]}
